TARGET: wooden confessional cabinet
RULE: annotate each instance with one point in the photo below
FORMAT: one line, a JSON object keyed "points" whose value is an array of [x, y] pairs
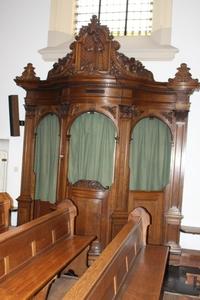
{"points": [[94, 77]]}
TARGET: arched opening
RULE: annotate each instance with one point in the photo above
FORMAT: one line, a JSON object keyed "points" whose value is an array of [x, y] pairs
{"points": [[92, 149], [150, 155], [46, 158]]}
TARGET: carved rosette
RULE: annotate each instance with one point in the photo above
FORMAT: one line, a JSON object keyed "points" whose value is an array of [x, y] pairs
{"points": [[183, 79], [28, 74], [90, 184]]}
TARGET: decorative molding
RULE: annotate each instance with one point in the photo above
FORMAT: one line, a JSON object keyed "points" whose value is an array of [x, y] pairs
{"points": [[90, 184]]}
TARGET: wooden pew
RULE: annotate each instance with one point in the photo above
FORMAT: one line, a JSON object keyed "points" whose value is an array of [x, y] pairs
{"points": [[33, 254], [127, 268]]}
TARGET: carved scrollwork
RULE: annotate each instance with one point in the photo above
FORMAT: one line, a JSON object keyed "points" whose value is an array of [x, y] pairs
{"points": [[130, 66], [95, 52], [28, 74], [90, 184], [64, 67]]}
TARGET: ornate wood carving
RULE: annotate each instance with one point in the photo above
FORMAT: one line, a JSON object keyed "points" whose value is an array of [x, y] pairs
{"points": [[95, 53], [95, 76], [28, 74], [90, 184], [183, 78], [126, 111]]}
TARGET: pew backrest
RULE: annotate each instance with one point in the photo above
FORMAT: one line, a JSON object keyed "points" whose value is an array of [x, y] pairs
{"points": [[104, 279], [22, 243]]}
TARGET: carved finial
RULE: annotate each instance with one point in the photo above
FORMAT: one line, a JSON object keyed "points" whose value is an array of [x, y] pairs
{"points": [[28, 74], [94, 23], [183, 78]]}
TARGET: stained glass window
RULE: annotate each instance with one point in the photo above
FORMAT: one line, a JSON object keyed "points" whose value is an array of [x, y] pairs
{"points": [[123, 17]]}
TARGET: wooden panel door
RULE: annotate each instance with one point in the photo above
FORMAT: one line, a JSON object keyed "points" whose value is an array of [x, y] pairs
{"points": [[153, 203]]}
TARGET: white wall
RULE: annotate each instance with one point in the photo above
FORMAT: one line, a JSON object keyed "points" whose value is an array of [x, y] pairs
{"points": [[185, 37], [24, 29]]}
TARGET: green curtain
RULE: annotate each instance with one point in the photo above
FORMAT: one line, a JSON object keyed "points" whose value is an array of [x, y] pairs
{"points": [[46, 158], [150, 155], [92, 146]]}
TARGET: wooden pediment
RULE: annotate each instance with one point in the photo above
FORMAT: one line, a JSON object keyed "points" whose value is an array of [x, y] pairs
{"points": [[94, 52]]}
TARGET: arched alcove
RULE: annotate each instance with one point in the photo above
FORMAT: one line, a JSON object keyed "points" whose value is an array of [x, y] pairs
{"points": [[92, 149], [47, 139], [150, 155]]}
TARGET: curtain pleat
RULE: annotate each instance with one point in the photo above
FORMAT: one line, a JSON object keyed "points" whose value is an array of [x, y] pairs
{"points": [[150, 155], [92, 146], [46, 158]]}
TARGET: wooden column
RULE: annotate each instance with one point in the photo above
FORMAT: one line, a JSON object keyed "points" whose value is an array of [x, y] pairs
{"points": [[25, 200], [119, 216]]}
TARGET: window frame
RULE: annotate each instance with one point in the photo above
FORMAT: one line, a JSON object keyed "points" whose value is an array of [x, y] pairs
{"points": [[154, 47], [128, 22]]}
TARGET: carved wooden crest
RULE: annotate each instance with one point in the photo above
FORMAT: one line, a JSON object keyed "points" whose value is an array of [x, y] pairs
{"points": [[95, 53]]}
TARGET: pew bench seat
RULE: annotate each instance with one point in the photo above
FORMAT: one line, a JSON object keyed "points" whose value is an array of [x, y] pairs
{"points": [[31, 277], [145, 278]]}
